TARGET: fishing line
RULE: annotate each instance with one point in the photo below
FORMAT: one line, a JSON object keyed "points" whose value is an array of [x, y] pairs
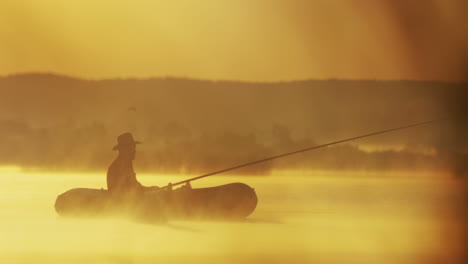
{"points": [[304, 150]]}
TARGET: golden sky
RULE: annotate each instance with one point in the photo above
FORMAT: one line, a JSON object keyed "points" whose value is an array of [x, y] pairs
{"points": [[256, 40]]}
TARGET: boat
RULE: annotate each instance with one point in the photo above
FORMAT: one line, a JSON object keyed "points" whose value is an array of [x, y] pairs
{"points": [[229, 201]]}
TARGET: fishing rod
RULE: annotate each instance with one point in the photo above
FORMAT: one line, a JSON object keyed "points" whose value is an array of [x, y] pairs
{"points": [[303, 150]]}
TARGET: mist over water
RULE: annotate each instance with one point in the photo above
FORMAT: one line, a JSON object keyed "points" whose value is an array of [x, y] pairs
{"points": [[391, 63], [301, 217], [197, 126]]}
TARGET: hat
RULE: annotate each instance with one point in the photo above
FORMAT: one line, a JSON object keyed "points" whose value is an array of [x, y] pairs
{"points": [[126, 139]]}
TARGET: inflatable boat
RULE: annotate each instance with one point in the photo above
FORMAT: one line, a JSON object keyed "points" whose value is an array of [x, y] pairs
{"points": [[230, 201]]}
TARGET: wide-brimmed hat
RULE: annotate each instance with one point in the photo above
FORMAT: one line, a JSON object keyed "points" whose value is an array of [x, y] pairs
{"points": [[125, 140]]}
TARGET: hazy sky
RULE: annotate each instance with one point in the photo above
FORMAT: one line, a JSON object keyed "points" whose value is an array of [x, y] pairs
{"points": [[260, 40]]}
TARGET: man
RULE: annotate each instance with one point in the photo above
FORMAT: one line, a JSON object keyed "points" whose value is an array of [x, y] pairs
{"points": [[121, 178]]}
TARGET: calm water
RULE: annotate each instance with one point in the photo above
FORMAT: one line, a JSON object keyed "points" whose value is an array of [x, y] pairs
{"points": [[321, 218]]}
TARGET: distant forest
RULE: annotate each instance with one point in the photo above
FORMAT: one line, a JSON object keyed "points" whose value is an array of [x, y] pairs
{"points": [[195, 126]]}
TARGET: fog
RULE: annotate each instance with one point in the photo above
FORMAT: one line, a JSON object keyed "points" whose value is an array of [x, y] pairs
{"points": [[385, 199], [242, 40], [301, 217], [60, 123], [394, 198]]}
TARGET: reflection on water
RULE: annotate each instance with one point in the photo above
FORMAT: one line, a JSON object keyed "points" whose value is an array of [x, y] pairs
{"points": [[299, 219]]}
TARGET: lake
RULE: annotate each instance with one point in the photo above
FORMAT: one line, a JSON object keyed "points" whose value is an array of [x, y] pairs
{"points": [[301, 217]]}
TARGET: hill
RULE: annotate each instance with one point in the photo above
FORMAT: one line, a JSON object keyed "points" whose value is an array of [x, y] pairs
{"points": [[58, 122]]}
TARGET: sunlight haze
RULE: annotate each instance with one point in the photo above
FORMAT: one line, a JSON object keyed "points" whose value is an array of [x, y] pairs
{"points": [[236, 40], [233, 131]]}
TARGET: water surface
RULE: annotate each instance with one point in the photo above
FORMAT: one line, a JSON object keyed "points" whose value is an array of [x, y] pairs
{"points": [[314, 217]]}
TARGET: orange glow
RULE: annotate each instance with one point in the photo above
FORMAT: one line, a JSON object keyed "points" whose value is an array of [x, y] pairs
{"points": [[76, 74], [323, 219], [246, 40]]}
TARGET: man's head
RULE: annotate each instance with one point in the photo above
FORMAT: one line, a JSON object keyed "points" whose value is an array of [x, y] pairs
{"points": [[126, 145]]}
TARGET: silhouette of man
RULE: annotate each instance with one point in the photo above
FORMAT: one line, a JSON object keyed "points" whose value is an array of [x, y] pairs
{"points": [[121, 178]]}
